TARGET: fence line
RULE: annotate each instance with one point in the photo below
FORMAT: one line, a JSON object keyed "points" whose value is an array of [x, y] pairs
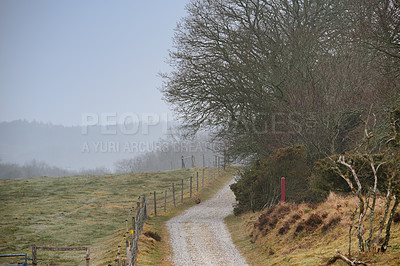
{"points": [[35, 249], [143, 205], [161, 201], [25, 263]]}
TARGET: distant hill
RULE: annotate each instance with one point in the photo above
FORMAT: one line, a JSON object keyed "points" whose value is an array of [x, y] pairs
{"points": [[76, 147]]}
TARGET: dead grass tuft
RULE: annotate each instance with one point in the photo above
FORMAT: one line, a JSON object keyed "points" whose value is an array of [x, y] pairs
{"points": [[309, 225], [294, 218], [153, 235], [319, 232], [271, 216], [331, 223], [396, 217], [284, 229]]}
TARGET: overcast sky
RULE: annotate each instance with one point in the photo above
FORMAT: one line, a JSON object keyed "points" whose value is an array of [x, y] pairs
{"points": [[61, 59]]}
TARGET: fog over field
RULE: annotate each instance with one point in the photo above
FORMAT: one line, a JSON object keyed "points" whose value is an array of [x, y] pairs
{"points": [[29, 149], [76, 147], [80, 82]]}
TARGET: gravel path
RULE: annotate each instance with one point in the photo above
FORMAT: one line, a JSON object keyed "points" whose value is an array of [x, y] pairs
{"points": [[199, 236]]}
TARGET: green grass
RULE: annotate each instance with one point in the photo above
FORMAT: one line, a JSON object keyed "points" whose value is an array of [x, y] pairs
{"points": [[74, 211]]}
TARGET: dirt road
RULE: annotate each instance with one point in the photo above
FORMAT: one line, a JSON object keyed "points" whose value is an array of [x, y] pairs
{"points": [[199, 236]]}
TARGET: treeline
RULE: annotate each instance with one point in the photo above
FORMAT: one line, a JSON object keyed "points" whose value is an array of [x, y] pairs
{"points": [[265, 75], [173, 153], [270, 74], [37, 169]]}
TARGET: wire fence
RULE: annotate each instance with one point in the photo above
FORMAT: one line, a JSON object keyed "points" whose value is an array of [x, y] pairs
{"points": [[127, 255], [160, 202], [151, 204]]}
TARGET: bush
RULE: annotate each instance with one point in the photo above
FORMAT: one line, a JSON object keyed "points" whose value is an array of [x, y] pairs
{"points": [[271, 216], [309, 225], [325, 178], [332, 223], [258, 185], [284, 229], [153, 235], [396, 217]]}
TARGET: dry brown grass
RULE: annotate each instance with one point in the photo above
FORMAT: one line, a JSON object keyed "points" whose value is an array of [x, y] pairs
{"points": [[324, 229]]}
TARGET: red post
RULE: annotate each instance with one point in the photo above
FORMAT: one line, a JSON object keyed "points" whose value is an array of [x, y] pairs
{"points": [[282, 189]]}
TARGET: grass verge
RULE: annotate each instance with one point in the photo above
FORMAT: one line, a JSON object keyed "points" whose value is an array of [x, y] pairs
{"points": [[153, 252], [302, 234]]}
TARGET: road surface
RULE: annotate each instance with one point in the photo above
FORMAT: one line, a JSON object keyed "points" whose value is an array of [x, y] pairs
{"points": [[199, 235]]}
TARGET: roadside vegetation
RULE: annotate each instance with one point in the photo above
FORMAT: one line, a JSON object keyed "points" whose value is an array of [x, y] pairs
{"points": [[306, 90], [152, 252], [368, 177], [305, 234]]}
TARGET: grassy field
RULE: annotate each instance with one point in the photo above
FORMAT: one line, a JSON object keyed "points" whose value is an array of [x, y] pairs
{"points": [[283, 243], [75, 211]]}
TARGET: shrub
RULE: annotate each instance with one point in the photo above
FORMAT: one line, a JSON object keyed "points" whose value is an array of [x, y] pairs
{"points": [[271, 216], [284, 229], [153, 235], [314, 221], [294, 218], [309, 225], [325, 178], [258, 185], [396, 217], [332, 223]]}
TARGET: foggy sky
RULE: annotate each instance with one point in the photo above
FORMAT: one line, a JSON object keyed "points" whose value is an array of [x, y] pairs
{"points": [[60, 59]]}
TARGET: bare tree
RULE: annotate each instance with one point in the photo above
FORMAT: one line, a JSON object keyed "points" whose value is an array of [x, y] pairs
{"points": [[238, 65], [348, 167]]}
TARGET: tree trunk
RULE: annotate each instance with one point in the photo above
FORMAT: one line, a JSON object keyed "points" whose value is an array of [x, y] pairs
{"points": [[389, 224]]}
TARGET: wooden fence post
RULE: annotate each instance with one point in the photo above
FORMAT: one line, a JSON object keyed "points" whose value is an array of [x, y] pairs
{"points": [[202, 180], [88, 255], [133, 234], [219, 164], [173, 194], [190, 188], [182, 192], [165, 201], [204, 164], [155, 204], [34, 255], [197, 187], [144, 205], [137, 208], [127, 251]]}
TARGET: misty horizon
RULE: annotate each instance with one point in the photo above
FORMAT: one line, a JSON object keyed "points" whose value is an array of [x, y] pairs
{"points": [[64, 59], [80, 81]]}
